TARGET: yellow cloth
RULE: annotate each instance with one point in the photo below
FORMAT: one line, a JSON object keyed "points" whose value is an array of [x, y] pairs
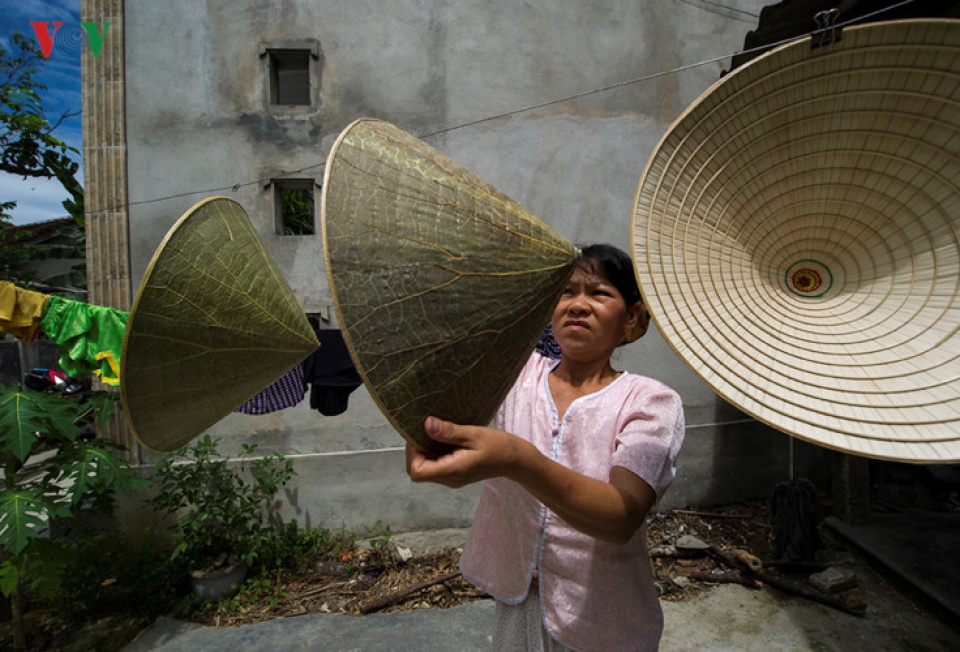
{"points": [[20, 311], [114, 365]]}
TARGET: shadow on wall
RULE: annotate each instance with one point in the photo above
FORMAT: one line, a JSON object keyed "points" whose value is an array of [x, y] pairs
{"points": [[743, 459]]}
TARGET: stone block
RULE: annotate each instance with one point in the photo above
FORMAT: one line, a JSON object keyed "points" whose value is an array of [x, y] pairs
{"points": [[834, 580]]}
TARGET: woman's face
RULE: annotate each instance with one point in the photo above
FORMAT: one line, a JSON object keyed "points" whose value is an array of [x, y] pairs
{"points": [[591, 316]]}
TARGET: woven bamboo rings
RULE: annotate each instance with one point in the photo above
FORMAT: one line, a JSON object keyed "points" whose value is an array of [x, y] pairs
{"points": [[796, 239]]}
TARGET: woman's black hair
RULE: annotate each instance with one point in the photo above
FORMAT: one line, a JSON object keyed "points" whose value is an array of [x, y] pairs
{"points": [[616, 265]]}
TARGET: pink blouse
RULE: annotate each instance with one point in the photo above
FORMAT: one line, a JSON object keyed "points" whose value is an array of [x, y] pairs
{"points": [[594, 595]]}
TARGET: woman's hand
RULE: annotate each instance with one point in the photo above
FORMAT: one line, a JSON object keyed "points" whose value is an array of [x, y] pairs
{"points": [[479, 453], [611, 510]]}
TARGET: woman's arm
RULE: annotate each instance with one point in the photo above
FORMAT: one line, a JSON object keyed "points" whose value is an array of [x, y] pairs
{"points": [[611, 511]]}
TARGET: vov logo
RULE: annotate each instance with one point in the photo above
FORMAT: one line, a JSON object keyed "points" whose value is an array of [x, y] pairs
{"points": [[68, 39]]}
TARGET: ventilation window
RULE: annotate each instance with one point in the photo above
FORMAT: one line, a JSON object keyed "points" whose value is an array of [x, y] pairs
{"points": [[289, 77], [295, 206]]}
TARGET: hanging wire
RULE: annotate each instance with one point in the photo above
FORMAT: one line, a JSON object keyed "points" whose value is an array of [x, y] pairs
{"points": [[541, 105], [699, 4]]}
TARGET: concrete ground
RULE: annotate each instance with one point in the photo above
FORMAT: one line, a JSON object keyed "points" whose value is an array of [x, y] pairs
{"points": [[905, 563]]}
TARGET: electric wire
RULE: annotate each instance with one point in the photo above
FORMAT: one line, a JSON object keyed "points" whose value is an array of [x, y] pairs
{"points": [[263, 181]]}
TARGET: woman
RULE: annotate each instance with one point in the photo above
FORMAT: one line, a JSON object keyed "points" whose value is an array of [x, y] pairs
{"points": [[578, 455]]}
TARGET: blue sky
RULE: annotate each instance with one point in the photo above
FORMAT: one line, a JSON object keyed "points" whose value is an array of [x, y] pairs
{"points": [[39, 199]]}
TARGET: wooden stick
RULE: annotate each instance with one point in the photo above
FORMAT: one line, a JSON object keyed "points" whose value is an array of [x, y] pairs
{"points": [[325, 587], [709, 514], [812, 566], [851, 607], [394, 598], [731, 577]]}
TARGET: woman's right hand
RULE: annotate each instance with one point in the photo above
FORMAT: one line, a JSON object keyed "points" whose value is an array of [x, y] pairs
{"points": [[610, 510], [478, 453]]}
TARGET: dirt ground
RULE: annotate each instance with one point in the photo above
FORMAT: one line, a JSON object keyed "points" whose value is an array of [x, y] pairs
{"points": [[432, 580], [737, 534]]}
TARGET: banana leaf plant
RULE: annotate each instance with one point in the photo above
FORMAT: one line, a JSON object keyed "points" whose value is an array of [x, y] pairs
{"points": [[50, 471]]}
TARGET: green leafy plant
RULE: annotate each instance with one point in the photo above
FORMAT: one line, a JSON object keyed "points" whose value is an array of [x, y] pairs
{"points": [[288, 552], [297, 211], [112, 576], [380, 539], [49, 472], [290, 548], [221, 507]]}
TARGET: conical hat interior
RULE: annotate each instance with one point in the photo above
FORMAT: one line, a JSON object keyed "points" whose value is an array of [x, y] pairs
{"points": [[441, 283], [214, 322], [796, 239]]}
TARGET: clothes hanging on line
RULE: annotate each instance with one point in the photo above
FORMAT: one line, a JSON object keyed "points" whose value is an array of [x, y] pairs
{"points": [[331, 373], [89, 337], [20, 311], [285, 392]]}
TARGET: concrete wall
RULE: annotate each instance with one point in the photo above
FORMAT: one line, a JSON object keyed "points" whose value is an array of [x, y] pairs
{"points": [[482, 81]]}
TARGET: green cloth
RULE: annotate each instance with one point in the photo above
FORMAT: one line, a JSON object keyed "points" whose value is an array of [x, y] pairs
{"points": [[89, 337]]}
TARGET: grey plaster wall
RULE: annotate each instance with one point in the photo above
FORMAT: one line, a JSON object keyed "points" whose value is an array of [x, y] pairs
{"points": [[558, 104]]}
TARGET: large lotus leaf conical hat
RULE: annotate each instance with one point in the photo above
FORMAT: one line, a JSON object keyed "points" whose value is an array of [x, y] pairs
{"points": [[797, 238], [214, 322], [442, 284]]}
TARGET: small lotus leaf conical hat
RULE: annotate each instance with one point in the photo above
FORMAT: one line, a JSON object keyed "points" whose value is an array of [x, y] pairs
{"points": [[214, 322], [441, 283], [797, 238]]}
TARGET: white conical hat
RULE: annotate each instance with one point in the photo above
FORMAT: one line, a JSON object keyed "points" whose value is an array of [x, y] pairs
{"points": [[796, 239]]}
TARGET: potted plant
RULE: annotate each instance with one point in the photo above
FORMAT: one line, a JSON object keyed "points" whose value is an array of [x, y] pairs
{"points": [[220, 508]]}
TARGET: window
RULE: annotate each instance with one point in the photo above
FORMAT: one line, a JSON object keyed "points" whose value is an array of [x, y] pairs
{"points": [[291, 74], [294, 206]]}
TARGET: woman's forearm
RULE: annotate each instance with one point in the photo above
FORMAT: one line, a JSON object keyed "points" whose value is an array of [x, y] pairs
{"points": [[611, 511]]}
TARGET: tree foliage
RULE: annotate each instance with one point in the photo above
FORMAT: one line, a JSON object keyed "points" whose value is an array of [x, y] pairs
{"points": [[79, 472], [29, 149]]}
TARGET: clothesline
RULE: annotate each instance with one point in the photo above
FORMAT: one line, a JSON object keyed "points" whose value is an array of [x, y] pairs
{"points": [[90, 339]]}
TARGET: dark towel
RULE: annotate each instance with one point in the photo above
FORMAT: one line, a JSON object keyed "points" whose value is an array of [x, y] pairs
{"points": [[331, 373], [795, 521]]}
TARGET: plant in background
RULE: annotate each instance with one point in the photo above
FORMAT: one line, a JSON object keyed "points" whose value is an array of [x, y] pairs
{"points": [[220, 506], [297, 209], [49, 472], [292, 549], [113, 577], [381, 548]]}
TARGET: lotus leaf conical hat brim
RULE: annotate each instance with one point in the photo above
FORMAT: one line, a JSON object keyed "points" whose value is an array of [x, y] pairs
{"points": [[214, 322], [441, 283], [796, 239]]}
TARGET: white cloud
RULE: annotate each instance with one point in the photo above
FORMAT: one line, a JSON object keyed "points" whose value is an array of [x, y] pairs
{"points": [[37, 200]]}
